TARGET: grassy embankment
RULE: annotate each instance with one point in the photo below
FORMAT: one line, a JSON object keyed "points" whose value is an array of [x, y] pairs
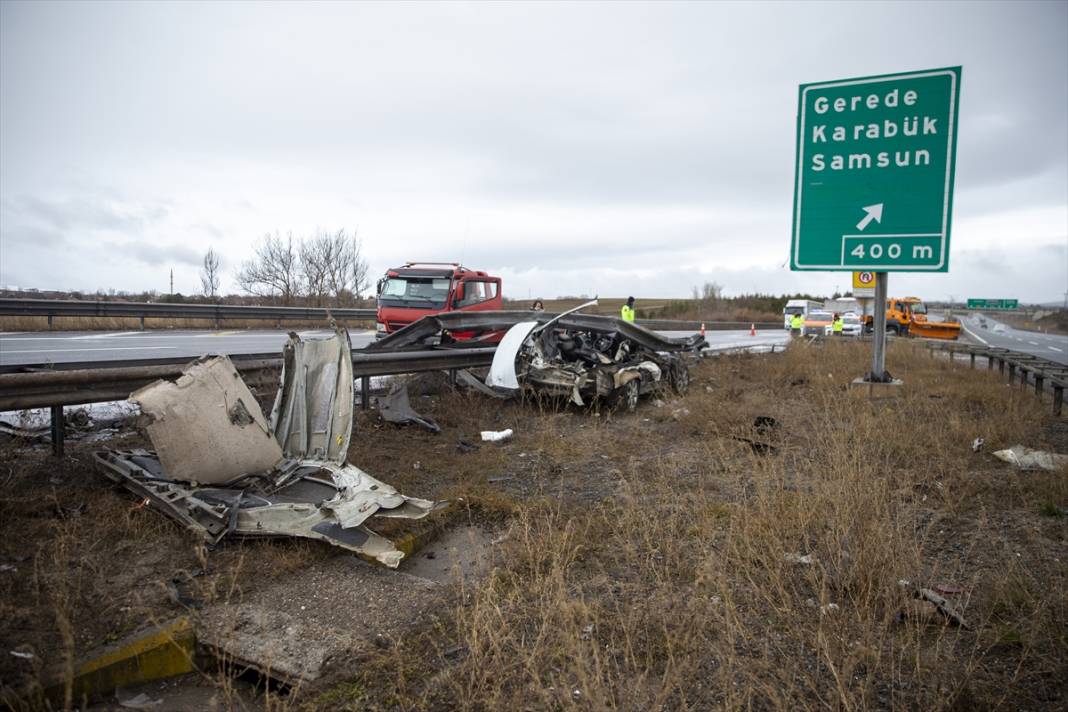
{"points": [[650, 560]]}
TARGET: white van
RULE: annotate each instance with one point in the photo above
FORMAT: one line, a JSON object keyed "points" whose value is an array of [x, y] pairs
{"points": [[798, 306]]}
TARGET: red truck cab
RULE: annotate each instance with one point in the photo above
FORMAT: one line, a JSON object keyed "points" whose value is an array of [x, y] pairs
{"points": [[415, 290]]}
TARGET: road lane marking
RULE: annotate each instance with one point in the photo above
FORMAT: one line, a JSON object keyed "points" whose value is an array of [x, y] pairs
{"points": [[1033, 343], [1054, 348], [107, 336], [102, 348], [972, 334]]}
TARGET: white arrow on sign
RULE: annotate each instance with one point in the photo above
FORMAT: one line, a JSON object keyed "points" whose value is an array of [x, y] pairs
{"points": [[874, 212]]}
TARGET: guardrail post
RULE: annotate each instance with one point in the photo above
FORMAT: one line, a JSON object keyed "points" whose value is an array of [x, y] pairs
{"points": [[49, 322], [973, 360], [57, 430], [1001, 366], [1012, 373], [142, 322], [989, 362], [365, 392], [1058, 398], [1023, 377], [1039, 380]]}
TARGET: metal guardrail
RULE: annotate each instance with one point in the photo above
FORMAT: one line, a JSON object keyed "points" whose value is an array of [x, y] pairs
{"points": [[42, 388], [674, 325], [216, 313], [1033, 369]]}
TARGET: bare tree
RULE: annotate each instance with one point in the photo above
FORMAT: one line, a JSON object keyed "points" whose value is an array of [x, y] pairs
{"points": [[324, 268], [332, 267], [358, 269], [316, 257], [709, 293], [273, 269], [209, 276]]}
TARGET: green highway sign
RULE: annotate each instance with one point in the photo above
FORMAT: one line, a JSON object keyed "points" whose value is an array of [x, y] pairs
{"points": [[875, 163], [993, 303]]}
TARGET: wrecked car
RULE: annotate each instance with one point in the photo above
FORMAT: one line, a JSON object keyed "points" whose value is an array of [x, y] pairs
{"points": [[220, 468], [580, 356], [586, 358]]}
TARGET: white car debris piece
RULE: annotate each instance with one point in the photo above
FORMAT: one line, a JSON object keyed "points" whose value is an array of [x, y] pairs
{"points": [[495, 436], [206, 426], [286, 479], [1027, 459], [502, 371]]}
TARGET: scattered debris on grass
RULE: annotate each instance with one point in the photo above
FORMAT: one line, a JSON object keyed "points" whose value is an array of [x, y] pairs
{"points": [[396, 408], [288, 478], [1027, 459]]}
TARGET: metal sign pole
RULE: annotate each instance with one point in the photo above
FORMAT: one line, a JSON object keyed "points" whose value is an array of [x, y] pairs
{"points": [[878, 353]]}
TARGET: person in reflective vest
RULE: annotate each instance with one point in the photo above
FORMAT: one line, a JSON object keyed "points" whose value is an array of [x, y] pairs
{"points": [[837, 325], [796, 322], [627, 312]]}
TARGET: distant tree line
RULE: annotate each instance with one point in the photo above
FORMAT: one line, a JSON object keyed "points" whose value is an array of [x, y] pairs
{"points": [[324, 269]]}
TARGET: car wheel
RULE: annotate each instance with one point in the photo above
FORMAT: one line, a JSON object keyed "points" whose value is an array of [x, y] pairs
{"points": [[680, 378], [626, 396]]}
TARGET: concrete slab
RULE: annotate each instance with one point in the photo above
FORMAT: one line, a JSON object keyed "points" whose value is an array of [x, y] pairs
{"points": [[877, 391], [293, 629]]}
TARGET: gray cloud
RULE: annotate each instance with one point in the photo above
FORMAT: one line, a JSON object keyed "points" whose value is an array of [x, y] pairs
{"points": [[409, 121], [153, 254]]}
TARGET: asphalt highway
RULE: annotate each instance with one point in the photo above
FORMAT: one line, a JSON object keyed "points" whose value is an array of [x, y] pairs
{"points": [[24, 348], [997, 334]]}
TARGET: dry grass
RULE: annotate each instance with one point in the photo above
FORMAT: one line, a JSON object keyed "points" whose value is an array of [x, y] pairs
{"points": [[646, 559], [672, 585]]}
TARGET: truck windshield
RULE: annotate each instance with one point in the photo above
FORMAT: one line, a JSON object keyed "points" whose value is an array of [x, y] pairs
{"points": [[794, 310], [919, 308], [417, 292]]}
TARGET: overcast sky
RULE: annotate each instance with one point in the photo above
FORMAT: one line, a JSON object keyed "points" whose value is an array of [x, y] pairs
{"points": [[607, 149]]}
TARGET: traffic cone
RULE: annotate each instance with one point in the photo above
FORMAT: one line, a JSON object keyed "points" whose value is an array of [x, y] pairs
{"points": [[752, 329], [702, 329]]}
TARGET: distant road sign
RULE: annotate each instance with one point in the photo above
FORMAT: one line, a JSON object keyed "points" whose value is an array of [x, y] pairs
{"points": [[875, 167], [863, 285], [993, 303]]}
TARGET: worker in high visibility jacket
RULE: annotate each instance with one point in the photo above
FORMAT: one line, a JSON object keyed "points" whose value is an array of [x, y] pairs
{"points": [[837, 325], [627, 312], [797, 322]]}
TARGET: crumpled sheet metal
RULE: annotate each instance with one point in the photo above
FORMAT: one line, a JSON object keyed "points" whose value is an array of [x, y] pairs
{"points": [[207, 426], [396, 408], [312, 413], [320, 501], [199, 421], [425, 330]]}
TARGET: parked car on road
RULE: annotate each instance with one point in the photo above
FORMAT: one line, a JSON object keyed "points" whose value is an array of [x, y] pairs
{"points": [[851, 326], [815, 322]]}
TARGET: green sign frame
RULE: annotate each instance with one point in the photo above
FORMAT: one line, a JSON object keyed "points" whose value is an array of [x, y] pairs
{"points": [[876, 163], [993, 303]]}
